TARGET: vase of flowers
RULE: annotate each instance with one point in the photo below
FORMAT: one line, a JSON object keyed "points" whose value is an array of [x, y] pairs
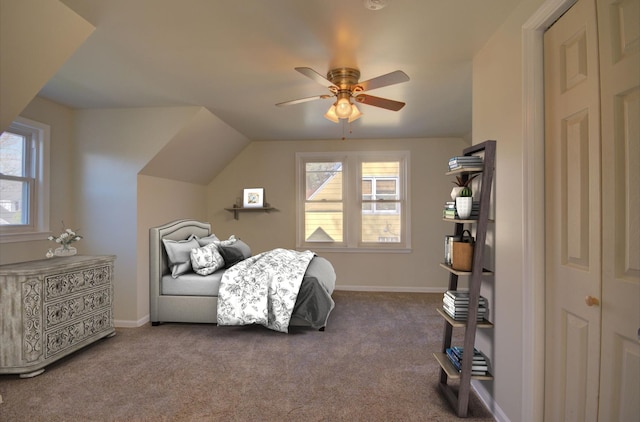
{"points": [[65, 239]]}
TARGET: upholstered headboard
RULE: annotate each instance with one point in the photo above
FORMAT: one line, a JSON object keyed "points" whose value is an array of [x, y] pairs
{"points": [[158, 263]]}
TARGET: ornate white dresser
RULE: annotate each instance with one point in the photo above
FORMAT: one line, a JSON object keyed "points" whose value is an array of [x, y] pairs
{"points": [[50, 308]]}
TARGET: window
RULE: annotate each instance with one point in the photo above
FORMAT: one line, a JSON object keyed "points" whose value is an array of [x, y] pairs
{"points": [[353, 201], [24, 190]]}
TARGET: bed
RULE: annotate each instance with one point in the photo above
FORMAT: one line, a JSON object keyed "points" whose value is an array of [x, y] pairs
{"points": [[178, 292]]}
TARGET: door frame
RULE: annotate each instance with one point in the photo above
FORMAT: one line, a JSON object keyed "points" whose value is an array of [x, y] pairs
{"points": [[533, 222]]}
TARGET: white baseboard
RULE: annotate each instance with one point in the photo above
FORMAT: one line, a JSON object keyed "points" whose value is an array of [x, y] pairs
{"points": [[486, 398], [391, 289], [123, 323]]}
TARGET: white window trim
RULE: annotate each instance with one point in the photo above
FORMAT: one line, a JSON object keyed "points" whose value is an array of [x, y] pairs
{"points": [[352, 214], [39, 227]]}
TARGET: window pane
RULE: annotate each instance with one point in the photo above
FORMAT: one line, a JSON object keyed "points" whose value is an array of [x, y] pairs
{"points": [[367, 191], [381, 169], [381, 221], [381, 228], [385, 186], [367, 188], [12, 148], [388, 206], [323, 181], [323, 222], [14, 199]]}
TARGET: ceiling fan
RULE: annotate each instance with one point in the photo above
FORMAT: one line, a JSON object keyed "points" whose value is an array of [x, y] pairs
{"points": [[343, 84]]}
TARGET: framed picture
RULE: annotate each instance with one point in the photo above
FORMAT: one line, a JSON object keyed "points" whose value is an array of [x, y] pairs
{"points": [[253, 198]]}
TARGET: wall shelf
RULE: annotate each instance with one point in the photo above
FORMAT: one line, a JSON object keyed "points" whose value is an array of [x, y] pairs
{"points": [[237, 210], [457, 272], [467, 170], [460, 324], [452, 372]]}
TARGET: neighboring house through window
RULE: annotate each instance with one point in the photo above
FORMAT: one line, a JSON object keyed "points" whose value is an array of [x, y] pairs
{"points": [[353, 201], [24, 186]]}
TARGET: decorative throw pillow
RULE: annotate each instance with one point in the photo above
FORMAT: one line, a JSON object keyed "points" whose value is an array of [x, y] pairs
{"points": [[204, 241], [238, 246], [179, 254], [232, 239], [243, 247], [206, 260], [231, 255]]}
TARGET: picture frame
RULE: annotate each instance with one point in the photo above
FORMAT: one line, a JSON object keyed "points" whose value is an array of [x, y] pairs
{"points": [[253, 198]]}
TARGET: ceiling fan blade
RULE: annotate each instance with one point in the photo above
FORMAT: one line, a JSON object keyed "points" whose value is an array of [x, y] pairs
{"points": [[304, 100], [379, 102], [384, 80], [312, 74]]}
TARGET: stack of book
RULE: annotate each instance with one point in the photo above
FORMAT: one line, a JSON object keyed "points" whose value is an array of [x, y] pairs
{"points": [[456, 304], [465, 161], [480, 365], [450, 210]]}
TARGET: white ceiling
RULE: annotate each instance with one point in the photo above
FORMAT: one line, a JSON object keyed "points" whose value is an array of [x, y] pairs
{"points": [[237, 59]]}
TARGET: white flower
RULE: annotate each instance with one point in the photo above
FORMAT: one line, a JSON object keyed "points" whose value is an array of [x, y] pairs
{"points": [[67, 236]]}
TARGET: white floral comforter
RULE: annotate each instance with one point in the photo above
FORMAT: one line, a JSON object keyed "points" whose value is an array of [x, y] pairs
{"points": [[262, 289]]}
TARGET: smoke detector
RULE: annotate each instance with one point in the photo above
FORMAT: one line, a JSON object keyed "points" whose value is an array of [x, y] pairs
{"points": [[375, 4]]}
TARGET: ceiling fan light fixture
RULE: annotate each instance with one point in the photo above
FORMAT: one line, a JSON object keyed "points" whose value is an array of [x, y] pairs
{"points": [[344, 86], [331, 114], [355, 113], [343, 106]]}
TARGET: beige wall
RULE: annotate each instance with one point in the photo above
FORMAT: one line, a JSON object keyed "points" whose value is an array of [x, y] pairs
{"points": [[61, 172], [161, 201], [271, 165], [112, 146], [498, 114]]}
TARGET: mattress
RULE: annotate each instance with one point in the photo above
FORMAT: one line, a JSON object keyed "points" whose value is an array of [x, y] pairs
{"points": [[191, 284]]}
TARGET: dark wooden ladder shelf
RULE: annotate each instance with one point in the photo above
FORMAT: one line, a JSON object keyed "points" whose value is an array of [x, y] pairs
{"points": [[459, 399]]}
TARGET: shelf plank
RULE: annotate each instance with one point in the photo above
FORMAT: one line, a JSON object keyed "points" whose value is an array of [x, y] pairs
{"points": [[465, 170], [461, 221], [250, 209], [458, 323], [456, 272], [452, 372], [236, 210]]}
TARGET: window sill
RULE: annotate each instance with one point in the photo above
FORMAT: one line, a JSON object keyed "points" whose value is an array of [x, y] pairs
{"points": [[23, 237]]}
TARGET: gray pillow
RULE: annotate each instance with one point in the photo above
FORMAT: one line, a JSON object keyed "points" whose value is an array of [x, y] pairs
{"points": [[243, 247], [231, 255], [179, 254], [204, 241]]}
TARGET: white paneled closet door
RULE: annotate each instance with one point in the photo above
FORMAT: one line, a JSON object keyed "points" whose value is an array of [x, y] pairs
{"points": [[619, 34], [592, 201], [572, 213]]}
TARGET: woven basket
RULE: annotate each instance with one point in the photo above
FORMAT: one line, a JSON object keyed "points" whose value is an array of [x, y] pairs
{"points": [[462, 258]]}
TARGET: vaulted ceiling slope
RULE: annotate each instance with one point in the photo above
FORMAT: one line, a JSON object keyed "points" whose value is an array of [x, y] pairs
{"points": [[36, 38], [237, 59]]}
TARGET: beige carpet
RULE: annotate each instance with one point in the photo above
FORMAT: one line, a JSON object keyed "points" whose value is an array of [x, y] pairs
{"points": [[373, 363]]}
